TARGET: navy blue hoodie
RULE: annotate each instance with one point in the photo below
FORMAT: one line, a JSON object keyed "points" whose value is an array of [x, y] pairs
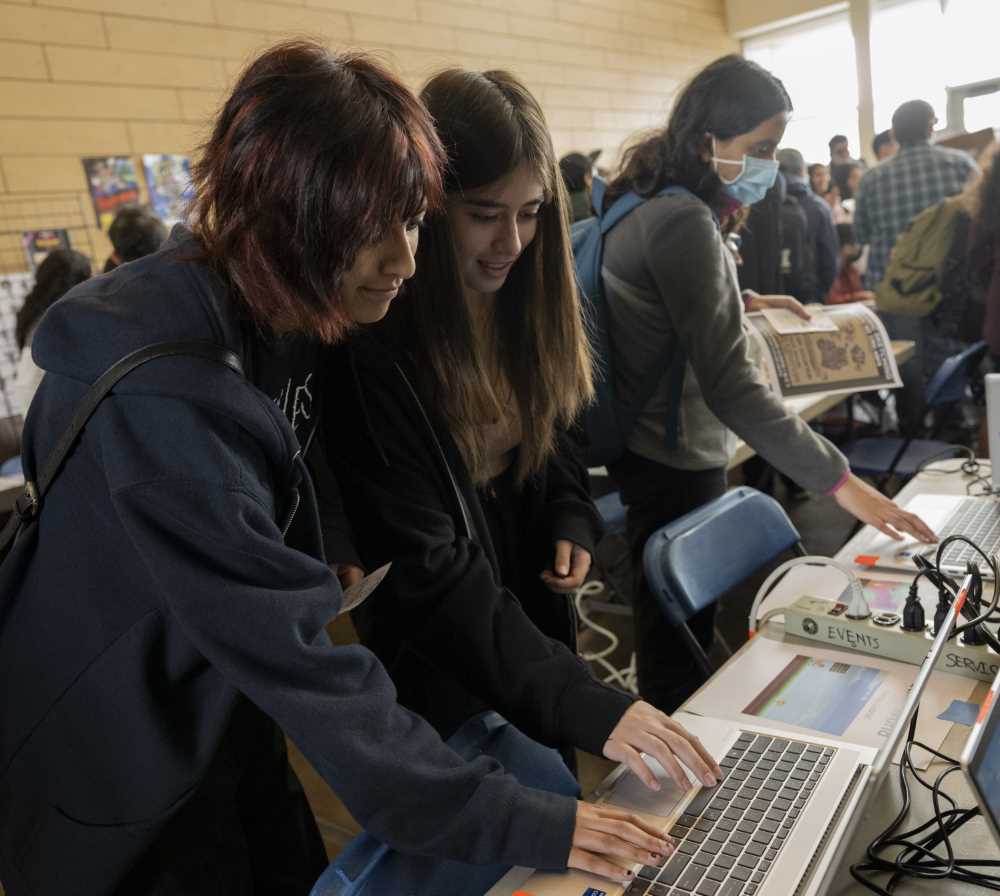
{"points": [[154, 608]]}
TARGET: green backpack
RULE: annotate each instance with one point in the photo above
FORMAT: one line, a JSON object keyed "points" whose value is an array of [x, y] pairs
{"points": [[912, 285]]}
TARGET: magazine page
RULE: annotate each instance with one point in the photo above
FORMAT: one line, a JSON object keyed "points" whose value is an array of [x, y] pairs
{"points": [[853, 356]]}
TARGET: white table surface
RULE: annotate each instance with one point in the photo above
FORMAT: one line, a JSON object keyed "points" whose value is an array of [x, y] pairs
{"points": [[974, 839]]}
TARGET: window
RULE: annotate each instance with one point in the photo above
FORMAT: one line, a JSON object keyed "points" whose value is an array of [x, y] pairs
{"points": [[816, 62], [918, 52]]}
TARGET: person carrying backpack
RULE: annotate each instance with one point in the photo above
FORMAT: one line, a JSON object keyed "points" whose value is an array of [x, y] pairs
{"points": [[817, 260], [891, 195], [668, 290], [796, 252]]}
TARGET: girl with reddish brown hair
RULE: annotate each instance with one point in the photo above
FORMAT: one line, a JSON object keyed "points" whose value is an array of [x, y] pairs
{"points": [[162, 621]]}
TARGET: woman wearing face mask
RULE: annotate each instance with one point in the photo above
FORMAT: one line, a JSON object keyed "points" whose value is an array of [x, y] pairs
{"points": [[671, 286], [460, 472]]}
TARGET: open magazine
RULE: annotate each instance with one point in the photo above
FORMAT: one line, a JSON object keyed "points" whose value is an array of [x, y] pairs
{"points": [[844, 349]]}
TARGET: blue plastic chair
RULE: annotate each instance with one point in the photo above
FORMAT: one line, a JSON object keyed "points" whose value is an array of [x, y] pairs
{"points": [[883, 457], [690, 563]]}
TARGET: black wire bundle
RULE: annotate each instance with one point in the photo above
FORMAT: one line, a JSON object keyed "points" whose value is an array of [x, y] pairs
{"points": [[917, 851]]}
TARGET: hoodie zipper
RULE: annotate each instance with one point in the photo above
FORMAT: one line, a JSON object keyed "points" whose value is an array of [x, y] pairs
{"points": [[296, 499], [443, 457]]}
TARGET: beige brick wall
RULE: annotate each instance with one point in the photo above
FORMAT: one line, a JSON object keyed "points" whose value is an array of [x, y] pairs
{"points": [[92, 77]]}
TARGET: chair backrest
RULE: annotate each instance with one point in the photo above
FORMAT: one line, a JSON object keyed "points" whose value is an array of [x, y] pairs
{"points": [[692, 561], [952, 378]]}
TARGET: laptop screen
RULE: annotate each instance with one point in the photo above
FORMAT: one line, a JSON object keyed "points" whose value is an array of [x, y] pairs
{"points": [[983, 763]]}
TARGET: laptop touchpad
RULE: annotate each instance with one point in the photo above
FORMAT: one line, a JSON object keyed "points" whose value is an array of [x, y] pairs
{"points": [[631, 794]]}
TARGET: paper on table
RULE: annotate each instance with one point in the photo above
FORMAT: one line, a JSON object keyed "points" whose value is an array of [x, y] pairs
{"points": [[745, 679], [785, 321], [359, 591]]}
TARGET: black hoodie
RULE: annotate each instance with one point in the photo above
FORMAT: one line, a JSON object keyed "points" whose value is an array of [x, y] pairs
{"points": [[459, 628], [154, 611]]}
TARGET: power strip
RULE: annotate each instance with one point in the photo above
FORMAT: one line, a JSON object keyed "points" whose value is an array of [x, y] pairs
{"points": [[824, 620]]}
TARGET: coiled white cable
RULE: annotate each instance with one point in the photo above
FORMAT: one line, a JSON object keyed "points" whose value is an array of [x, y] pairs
{"points": [[626, 678], [809, 560]]}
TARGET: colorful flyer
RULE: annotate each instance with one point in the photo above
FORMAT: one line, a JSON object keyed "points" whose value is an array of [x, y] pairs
{"points": [[168, 178], [113, 183], [39, 243], [817, 693]]}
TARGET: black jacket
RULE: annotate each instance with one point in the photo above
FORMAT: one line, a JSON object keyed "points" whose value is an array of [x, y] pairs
{"points": [[822, 236], [453, 635], [761, 244], [154, 618]]}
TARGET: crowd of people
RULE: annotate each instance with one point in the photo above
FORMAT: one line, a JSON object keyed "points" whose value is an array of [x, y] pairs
{"points": [[825, 231], [406, 364]]}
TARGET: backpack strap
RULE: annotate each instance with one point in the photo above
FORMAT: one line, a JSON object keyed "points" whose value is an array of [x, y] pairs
{"points": [[29, 502], [625, 204]]}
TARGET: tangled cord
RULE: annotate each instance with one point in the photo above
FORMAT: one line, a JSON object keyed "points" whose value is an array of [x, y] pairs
{"points": [[626, 678], [919, 858], [970, 466]]}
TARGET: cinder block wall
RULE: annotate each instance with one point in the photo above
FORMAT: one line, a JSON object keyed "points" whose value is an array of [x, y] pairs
{"points": [[94, 77]]}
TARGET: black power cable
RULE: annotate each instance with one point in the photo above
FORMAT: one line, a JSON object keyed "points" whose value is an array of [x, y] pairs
{"points": [[917, 853]]}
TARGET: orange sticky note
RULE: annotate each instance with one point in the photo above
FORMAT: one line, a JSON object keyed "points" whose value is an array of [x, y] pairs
{"points": [[985, 708]]}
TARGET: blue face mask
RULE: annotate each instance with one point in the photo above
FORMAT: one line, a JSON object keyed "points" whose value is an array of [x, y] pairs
{"points": [[753, 182]]}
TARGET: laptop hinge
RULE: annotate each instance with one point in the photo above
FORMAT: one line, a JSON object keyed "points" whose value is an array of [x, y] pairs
{"points": [[824, 840]]}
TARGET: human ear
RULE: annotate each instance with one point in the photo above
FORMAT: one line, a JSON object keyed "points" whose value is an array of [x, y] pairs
{"points": [[706, 148]]}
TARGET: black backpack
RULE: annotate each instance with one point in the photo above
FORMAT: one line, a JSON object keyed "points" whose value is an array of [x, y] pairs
{"points": [[798, 257]]}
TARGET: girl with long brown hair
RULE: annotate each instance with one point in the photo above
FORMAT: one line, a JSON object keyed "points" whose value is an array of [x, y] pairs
{"points": [[461, 468]]}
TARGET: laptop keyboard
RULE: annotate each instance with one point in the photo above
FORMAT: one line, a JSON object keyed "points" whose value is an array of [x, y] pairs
{"points": [[977, 519], [730, 834]]}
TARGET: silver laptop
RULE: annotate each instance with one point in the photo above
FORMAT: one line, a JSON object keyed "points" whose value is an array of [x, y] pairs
{"points": [[981, 761], [779, 821], [976, 518]]}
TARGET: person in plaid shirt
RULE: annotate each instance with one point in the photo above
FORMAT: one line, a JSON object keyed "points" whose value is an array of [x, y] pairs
{"points": [[891, 195], [894, 193]]}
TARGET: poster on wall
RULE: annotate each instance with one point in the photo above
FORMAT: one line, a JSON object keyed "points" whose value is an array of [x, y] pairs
{"points": [[13, 289], [39, 243], [113, 182], [168, 178]]}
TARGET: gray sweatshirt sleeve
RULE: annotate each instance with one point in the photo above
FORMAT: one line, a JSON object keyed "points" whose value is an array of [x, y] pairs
{"points": [[688, 263]]}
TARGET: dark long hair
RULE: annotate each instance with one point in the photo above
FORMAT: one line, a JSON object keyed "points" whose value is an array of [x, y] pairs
{"points": [[490, 124], [984, 249], [58, 273], [729, 97], [312, 158]]}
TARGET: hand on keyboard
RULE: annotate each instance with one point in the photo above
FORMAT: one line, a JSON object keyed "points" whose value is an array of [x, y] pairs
{"points": [[870, 506], [608, 841], [644, 729]]}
